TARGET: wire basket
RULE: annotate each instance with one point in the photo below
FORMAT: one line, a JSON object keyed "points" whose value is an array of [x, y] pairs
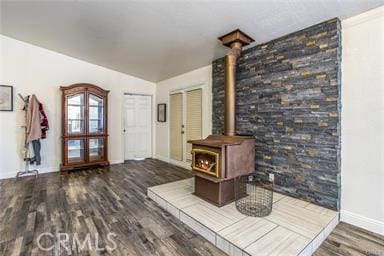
{"points": [[254, 195]]}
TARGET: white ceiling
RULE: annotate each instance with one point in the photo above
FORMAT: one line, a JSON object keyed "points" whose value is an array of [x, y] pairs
{"points": [[155, 40]]}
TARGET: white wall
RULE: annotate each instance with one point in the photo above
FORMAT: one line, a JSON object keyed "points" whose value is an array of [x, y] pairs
{"points": [[362, 174], [201, 76], [34, 70]]}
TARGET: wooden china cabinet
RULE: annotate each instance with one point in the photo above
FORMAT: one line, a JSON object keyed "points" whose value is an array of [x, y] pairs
{"points": [[84, 126]]}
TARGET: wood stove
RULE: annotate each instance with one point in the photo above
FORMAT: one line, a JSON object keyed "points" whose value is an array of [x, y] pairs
{"points": [[218, 159]]}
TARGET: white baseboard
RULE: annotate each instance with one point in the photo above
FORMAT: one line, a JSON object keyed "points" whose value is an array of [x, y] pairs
{"points": [[118, 161], [7, 175], [162, 158], [180, 164], [362, 222], [174, 162]]}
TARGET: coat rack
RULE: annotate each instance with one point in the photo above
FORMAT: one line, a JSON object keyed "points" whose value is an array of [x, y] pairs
{"points": [[26, 143]]}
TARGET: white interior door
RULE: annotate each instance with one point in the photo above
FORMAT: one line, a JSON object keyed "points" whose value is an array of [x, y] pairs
{"points": [[138, 126]]}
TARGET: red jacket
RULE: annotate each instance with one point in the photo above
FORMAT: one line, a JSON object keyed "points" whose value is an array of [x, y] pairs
{"points": [[43, 122]]}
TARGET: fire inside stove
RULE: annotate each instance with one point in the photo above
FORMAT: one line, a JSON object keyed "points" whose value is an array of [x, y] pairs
{"points": [[205, 161]]}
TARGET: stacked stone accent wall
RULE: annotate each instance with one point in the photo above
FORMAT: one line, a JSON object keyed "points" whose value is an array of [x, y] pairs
{"points": [[288, 98]]}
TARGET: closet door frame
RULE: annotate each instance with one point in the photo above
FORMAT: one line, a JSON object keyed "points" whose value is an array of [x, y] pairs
{"points": [[123, 121], [204, 111]]}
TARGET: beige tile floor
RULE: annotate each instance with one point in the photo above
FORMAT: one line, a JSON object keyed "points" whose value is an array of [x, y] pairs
{"points": [[294, 227]]}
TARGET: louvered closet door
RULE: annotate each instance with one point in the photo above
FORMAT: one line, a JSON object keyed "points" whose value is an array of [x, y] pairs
{"points": [[176, 122], [194, 119]]}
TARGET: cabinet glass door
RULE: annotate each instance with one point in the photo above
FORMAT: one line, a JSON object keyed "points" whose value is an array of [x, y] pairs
{"points": [[75, 150], [96, 114], [96, 149], [75, 110]]}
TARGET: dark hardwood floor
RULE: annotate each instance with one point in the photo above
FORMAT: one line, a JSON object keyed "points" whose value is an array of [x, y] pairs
{"points": [[113, 200], [346, 239], [95, 201]]}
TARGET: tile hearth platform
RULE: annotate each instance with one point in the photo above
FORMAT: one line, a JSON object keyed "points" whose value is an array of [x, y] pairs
{"points": [[294, 227]]}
